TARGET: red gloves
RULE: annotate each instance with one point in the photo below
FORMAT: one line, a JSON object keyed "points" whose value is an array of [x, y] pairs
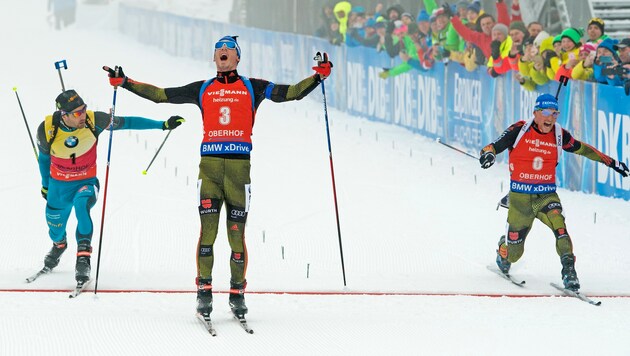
{"points": [[323, 66]]}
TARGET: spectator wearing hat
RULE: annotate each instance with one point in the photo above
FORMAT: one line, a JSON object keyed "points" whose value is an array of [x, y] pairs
{"points": [[498, 62], [461, 8], [623, 49], [595, 31], [542, 58], [393, 14], [607, 57], [570, 42], [472, 12], [583, 70], [518, 33], [342, 10]]}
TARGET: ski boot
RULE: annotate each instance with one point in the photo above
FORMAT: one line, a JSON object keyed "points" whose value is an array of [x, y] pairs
{"points": [[237, 298], [52, 258], [569, 276], [204, 297], [502, 262], [82, 268]]}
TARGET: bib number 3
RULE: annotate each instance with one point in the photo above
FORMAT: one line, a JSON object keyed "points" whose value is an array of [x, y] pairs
{"points": [[225, 117]]}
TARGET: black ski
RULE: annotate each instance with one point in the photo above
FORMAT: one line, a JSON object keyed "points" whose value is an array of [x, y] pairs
{"points": [[79, 288], [506, 276], [42, 271], [243, 322], [575, 294], [205, 320]]}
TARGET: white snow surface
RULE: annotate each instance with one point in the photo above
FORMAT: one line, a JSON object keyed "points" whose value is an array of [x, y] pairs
{"points": [[418, 225]]}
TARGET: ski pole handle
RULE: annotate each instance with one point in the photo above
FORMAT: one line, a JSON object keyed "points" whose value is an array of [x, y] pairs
{"points": [[58, 65]]}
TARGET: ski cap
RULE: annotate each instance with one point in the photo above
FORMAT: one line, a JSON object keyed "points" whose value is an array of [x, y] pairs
{"points": [[546, 101], [68, 101], [230, 39]]}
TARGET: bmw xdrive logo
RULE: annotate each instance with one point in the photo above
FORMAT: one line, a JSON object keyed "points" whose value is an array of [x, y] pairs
{"points": [[71, 142]]}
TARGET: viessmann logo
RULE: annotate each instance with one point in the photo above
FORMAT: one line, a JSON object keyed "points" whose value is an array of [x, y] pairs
{"points": [[224, 92], [539, 143]]}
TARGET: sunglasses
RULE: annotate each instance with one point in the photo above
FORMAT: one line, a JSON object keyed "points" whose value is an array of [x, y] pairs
{"points": [[77, 113], [227, 44], [547, 112]]}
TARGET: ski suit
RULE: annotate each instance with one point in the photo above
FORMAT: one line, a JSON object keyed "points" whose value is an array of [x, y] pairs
{"points": [[533, 159], [67, 164], [228, 105]]}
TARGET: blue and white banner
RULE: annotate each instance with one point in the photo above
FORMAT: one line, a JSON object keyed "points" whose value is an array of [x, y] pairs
{"points": [[466, 109]]}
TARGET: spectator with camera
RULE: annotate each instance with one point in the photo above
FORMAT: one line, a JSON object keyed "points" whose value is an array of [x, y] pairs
{"points": [[607, 68]]}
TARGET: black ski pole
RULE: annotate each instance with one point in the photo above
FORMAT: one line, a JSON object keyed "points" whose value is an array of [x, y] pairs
{"points": [[30, 136], [61, 64], [563, 83], [439, 140], [318, 57], [156, 153], [109, 154]]}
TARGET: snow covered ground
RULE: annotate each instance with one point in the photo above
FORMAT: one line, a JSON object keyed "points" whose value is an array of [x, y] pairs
{"points": [[418, 224]]}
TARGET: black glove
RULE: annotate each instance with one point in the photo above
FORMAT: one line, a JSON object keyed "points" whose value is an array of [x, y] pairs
{"points": [[172, 122], [117, 77], [44, 192], [487, 156], [496, 49], [620, 168], [447, 10]]}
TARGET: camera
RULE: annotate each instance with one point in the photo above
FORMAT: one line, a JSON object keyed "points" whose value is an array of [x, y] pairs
{"points": [[621, 72], [616, 70]]}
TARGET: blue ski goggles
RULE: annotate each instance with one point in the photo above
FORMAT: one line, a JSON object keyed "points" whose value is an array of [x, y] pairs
{"points": [[228, 44], [548, 112]]}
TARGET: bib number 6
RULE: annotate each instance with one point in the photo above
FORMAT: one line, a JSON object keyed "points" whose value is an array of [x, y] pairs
{"points": [[225, 117]]}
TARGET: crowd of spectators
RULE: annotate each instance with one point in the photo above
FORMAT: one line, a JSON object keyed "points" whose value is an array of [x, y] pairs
{"points": [[466, 34]]}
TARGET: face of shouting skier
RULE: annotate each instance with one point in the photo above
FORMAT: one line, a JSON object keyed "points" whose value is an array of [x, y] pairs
{"points": [[227, 54]]}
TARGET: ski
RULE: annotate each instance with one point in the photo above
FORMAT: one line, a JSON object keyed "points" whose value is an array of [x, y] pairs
{"points": [[79, 288], [243, 322], [506, 276], [575, 294], [205, 320], [42, 271]]}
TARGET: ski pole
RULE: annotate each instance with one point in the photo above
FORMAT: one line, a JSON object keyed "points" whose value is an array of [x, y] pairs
{"points": [[332, 173], [456, 149], [109, 154], [563, 83], [61, 64], [30, 136], [156, 153]]}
